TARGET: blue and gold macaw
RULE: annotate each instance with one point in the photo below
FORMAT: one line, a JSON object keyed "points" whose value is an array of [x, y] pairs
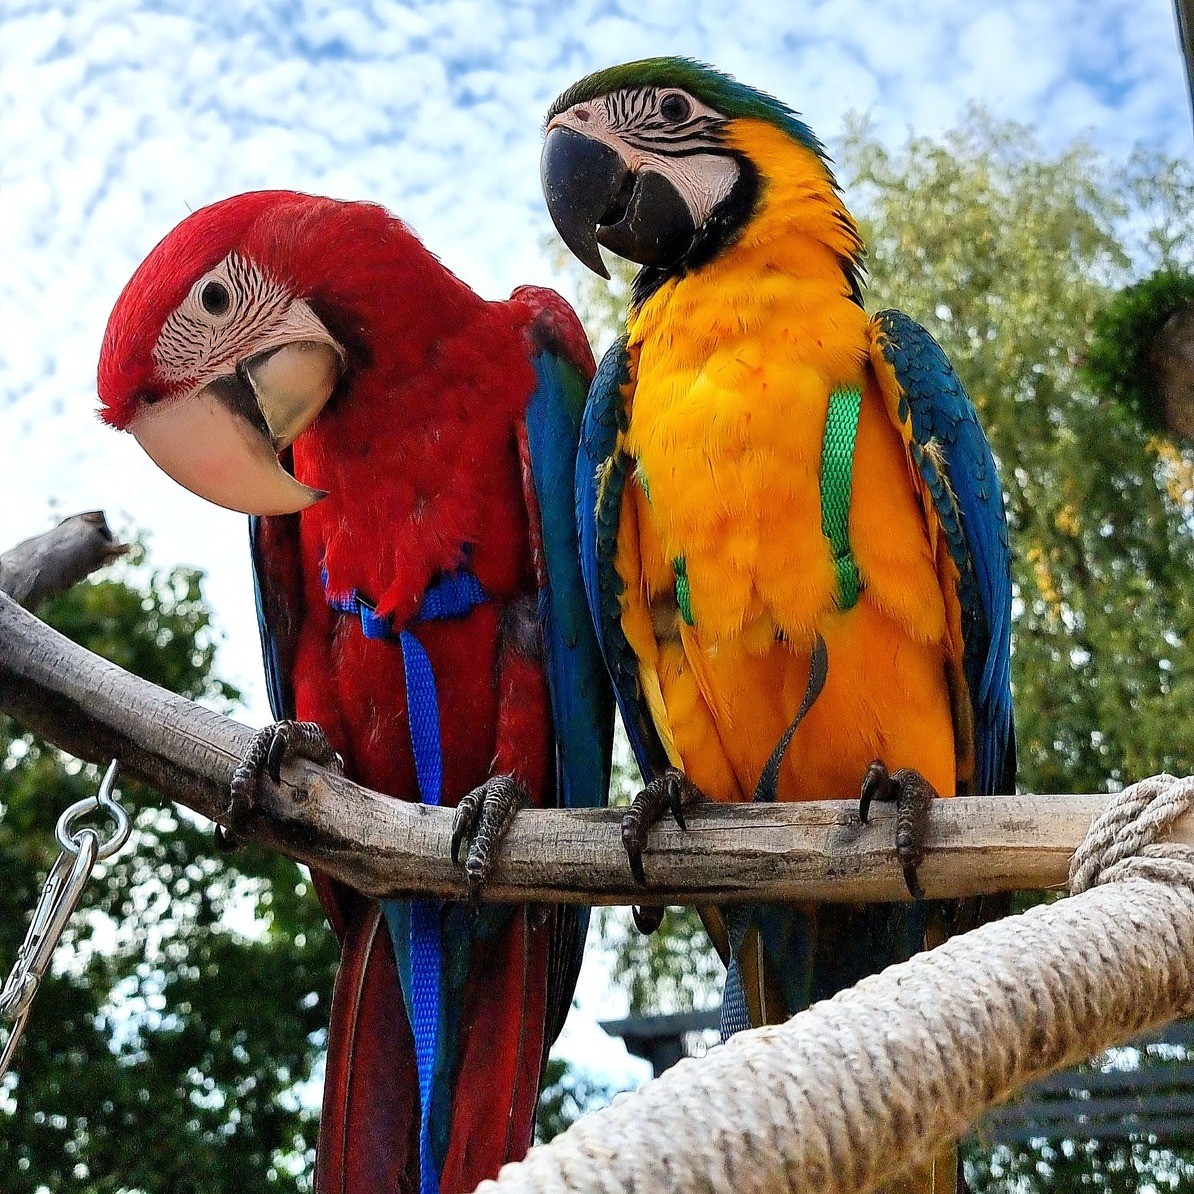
{"points": [[793, 536]]}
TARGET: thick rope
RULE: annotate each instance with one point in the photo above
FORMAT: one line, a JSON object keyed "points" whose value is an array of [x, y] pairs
{"points": [[1119, 844], [861, 1088]]}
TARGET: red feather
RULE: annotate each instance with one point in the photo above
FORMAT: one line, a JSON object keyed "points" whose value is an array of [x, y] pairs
{"points": [[419, 451]]}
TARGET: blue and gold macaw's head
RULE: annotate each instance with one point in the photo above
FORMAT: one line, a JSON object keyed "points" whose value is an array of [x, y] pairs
{"points": [[666, 161]]}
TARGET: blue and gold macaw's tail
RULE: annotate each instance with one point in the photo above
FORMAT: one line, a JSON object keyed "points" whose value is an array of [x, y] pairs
{"points": [[825, 948]]}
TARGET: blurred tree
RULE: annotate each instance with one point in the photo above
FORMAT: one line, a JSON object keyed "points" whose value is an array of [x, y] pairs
{"points": [[567, 1094], [168, 1052], [1008, 253], [1070, 1167]]}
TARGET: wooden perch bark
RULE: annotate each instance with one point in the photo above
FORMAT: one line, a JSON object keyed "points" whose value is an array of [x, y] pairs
{"points": [[38, 568], [812, 851]]}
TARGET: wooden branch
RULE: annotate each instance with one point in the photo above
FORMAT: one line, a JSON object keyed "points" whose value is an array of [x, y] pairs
{"points": [[50, 563], [1185, 33], [810, 851]]}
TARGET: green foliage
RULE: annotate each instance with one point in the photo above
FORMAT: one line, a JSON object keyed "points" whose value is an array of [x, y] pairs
{"points": [[1117, 364], [1067, 1167], [673, 970], [167, 1051]]}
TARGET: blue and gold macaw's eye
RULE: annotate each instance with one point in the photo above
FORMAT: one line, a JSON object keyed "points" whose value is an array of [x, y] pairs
{"points": [[675, 107]]}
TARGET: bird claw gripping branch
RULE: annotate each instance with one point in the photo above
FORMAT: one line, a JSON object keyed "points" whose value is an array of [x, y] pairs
{"points": [[482, 818], [269, 748], [913, 796], [81, 850], [673, 791]]}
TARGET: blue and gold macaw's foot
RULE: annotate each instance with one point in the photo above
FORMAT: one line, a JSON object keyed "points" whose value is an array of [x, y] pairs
{"points": [[672, 791], [482, 818], [912, 795], [268, 749]]}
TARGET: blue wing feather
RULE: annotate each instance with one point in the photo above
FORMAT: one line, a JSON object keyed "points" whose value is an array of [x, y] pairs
{"points": [[582, 702], [277, 587], [969, 501], [581, 698], [601, 471]]}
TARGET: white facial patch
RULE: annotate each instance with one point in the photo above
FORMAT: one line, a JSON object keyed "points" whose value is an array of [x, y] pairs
{"points": [[702, 181], [223, 320], [685, 150]]}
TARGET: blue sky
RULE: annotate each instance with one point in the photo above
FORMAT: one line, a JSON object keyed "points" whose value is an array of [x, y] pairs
{"points": [[118, 117]]}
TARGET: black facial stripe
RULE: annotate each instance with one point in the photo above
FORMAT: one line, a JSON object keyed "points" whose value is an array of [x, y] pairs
{"points": [[699, 123], [636, 117], [627, 106], [688, 148]]}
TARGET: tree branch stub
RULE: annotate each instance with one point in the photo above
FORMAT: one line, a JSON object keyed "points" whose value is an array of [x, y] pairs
{"points": [[48, 564]]}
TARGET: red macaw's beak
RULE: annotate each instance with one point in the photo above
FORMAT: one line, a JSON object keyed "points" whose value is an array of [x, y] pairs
{"points": [[222, 442]]}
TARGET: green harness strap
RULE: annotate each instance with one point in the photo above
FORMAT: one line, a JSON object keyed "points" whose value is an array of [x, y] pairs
{"points": [[837, 474], [837, 477]]}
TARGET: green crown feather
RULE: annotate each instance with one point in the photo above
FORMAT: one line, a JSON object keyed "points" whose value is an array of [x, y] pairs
{"points": [[719, 91]]}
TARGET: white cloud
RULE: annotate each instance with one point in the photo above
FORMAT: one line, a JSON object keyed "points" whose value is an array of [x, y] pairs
{"points": [[118, 117]]}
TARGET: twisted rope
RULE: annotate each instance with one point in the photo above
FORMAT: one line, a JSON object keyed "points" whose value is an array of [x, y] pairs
{"points": [[872, 1083], [1120, 843]]}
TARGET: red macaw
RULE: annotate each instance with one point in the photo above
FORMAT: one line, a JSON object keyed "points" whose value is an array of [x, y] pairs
{"points": [[422, 615]]}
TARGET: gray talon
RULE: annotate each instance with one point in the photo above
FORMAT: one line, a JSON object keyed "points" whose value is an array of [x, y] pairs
{"points": [[672, 791], [913, 796], [269, 749], [483, 818]]}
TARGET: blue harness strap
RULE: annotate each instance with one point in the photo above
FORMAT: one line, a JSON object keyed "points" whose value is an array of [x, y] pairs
{"points": [[450, 595]]}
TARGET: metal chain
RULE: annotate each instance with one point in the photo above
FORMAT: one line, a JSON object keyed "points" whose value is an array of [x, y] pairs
{"points": [[82, 848]]}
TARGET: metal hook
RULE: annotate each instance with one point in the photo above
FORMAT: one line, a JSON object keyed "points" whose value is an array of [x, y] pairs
{"points": [[81, 849], [103, 800]]}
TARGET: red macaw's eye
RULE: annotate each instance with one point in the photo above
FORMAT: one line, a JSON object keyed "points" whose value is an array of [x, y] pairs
{"points": [[675, 107], [215, 299]]}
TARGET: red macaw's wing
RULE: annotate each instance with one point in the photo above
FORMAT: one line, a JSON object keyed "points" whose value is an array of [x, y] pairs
{"points": [[471, 1051], [578, 682]]}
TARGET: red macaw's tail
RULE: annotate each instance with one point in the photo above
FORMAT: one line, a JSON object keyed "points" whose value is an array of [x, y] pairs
{"points": [[371, 1093], [491, 1038]]}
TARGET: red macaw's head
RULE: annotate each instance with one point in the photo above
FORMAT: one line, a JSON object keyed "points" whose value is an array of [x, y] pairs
{"points": [[240, 326]]}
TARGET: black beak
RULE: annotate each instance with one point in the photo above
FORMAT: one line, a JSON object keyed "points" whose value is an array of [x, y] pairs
{"points": [[593, 197], [583, 180]]}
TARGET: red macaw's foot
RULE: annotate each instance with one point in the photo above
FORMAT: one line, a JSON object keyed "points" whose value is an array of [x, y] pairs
{"points": [[482, 818], [912, 795], [670, 792], [269, 748]]}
